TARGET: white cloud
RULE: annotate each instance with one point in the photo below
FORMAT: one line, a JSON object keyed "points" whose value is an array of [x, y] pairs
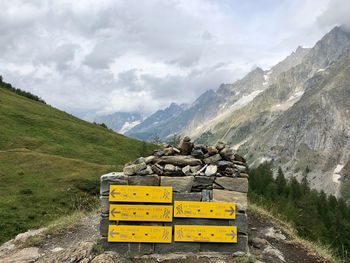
{"points": [[89, 57]]}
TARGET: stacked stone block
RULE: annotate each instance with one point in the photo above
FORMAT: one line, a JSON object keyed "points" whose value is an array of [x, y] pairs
{"points": [[196, 173]]}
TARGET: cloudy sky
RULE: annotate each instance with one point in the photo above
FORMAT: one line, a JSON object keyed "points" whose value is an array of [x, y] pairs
{"points": [[94, 57]]}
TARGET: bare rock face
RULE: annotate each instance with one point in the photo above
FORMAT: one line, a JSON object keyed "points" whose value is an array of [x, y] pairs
{"points": [[30, 254]]}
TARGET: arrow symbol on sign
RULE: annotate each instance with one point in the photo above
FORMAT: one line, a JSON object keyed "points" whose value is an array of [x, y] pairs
{"points": [[232, 234], [113, 193], [112, 233], [113, 212], [231, 211]]}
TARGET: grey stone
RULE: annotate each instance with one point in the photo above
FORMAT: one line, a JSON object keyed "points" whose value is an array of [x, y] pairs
{"points": [[231, 196], [179, 160], [207, 195], [169, 168], [259, 242], [187, 197], [241, 245], [233, 184], [239, 158], [196, 168], [212, 159], [187, 170], [202, 181], [220, 145], [242, 168], [186, 146], [112, 179], [222, 165], [157, 169], [128, 248], [139, 160], [241, 222], [148, 180], [179, 184], [212, 150], [104, 201], [169, 151], [134, 168], [158, 153], [238, 163], [146, 171], [176, 247], [227, 154], [197, 153], [150, 159], [211, 170], [243, 175]]}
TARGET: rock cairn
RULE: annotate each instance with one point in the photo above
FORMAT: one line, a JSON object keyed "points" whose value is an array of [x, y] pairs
{"points": [[196, 173]]}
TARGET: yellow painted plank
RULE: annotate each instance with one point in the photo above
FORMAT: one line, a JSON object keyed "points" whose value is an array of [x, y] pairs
{"points": [[152, 213], [219, 234], [204, 210], [146, 194], [142, 234]]}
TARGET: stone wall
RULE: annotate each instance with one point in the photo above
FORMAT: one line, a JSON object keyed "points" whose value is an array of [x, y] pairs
{"points": [[196, 173]]}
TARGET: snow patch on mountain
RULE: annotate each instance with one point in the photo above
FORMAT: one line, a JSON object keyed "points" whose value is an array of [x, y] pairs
{"points": [[128, 126]]}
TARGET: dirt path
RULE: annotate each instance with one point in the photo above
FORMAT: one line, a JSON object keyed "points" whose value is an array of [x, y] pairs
{"points": [[267, 244]]}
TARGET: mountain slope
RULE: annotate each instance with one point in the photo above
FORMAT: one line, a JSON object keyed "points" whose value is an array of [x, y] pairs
{"points": [[50, 162], [121, 121]]}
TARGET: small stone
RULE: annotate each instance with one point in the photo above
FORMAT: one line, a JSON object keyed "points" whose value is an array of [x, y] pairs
{"points": [[211, 170], [187, 170], [169, 151], [146, 171], [274, 233], [239, 158], [230, 196], [158, 153], [244, 175], [176, 150], [196, 168], [169, 168], [197, 153], [274, 253], [103, 258], [229, 171], [220, 145], [212, 159], [157, 169], [259, 242], [134, 168], [139, 160], [212, 150], [187, 197], [242, 168], [233, 184], [150, 159], [179, 184], [186, 146], [227, 154], [224, 164], [186, 139]]}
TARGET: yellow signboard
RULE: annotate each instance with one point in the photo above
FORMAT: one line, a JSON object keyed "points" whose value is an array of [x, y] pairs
{"points": [[145, 194], [153, 213], [144, 234], [204, 210], [218, 234]]}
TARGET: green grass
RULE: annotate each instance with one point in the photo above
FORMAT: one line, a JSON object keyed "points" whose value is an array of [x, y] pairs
{"points": [[50, 162]]}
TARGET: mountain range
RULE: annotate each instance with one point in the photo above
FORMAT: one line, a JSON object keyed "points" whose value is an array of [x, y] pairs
{"points": [[296, 114]]}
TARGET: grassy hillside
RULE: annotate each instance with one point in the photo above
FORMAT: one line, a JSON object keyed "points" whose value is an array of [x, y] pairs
{"points": [[50, 162]]}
